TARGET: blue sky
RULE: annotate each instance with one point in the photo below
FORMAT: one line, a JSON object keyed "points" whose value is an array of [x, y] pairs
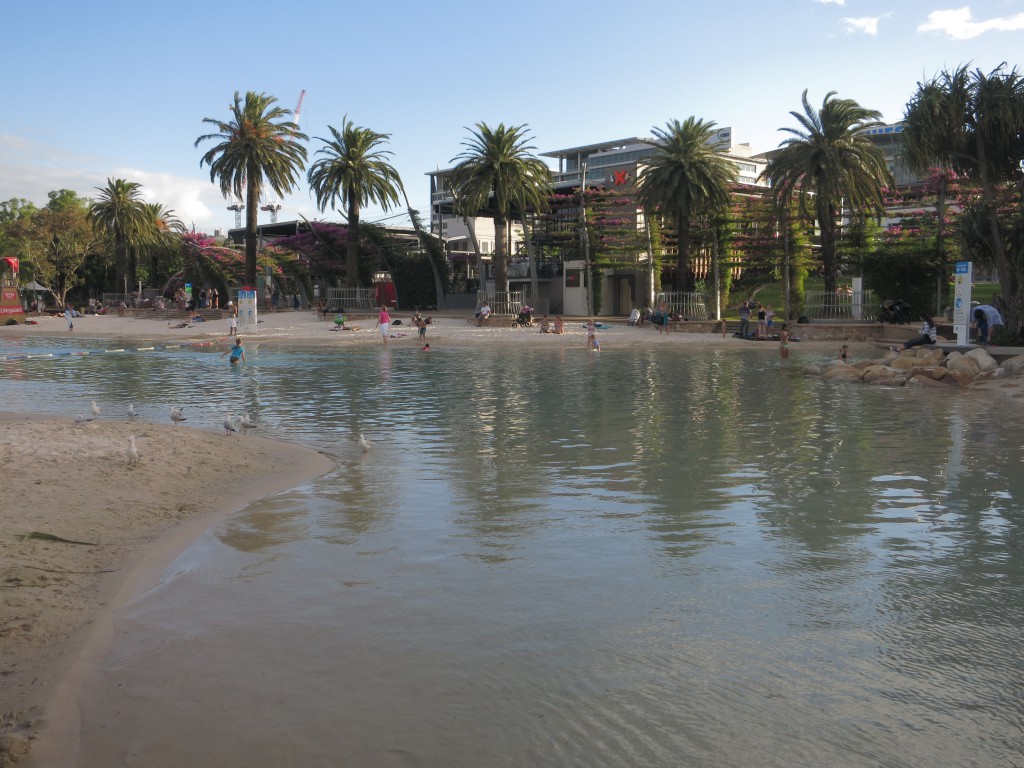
{"points": [[119, 89]]}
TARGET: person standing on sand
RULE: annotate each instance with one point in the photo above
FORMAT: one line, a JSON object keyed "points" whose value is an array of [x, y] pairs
{"points": [[384, 322], [68, 314], [784, 341], [744, 319], [232, 319]]}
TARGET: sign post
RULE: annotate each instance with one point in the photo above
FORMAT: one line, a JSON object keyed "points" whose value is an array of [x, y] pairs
{"points": [[964, 276], [247, 310]]}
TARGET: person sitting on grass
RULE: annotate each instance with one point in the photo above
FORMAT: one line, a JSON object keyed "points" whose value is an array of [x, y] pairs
{"points": [[928, 335]]}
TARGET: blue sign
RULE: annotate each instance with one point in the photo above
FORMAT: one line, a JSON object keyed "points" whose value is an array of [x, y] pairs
{"points": [[963, 267], [959, 303]]}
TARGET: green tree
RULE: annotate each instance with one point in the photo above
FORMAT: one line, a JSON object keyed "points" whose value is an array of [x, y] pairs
{"points": [[163, 243], [255, 149], [353, 170], [686, 178], [118, 217], [495, 172], [830, 164], [933, 134], [57, 242]]}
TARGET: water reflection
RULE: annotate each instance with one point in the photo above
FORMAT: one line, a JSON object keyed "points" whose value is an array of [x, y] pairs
{"points": [[563, 558]]}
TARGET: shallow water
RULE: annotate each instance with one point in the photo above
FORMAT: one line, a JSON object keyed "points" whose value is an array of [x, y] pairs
{"points": [[687, 558]]}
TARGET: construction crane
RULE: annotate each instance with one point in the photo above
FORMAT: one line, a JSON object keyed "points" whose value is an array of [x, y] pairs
{"points": [[237, 208], [274, 206]]}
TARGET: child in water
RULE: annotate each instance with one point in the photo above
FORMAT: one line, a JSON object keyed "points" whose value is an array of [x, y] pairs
{"points": [[236, 352]]}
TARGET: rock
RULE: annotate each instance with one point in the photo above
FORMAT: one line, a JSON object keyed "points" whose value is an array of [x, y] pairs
{"points": [[1014, 366], [905, 363], [922, 379], [876, 373], [963, 364], [984, 360], [959, 377], [842, 373]]}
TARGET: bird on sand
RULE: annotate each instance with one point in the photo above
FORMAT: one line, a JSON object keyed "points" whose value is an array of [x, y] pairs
{"points": [[229, 425], [177, 416], [364, 444], [131, 411], [132, 452], [246, 423], [80, 419], [96, 410]]}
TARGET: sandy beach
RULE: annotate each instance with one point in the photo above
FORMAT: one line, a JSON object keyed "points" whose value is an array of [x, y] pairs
{"points": [[81, 526]]}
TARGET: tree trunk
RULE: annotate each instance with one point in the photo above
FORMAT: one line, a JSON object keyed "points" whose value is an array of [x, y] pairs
{"points": [[940, 253], [252, 200], [120, 261], [683, 276], [352, 245], [534, 290], [827, 223], [500, 260], [438, 288]]}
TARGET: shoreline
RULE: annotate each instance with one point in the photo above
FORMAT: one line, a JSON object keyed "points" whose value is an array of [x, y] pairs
{"points": [[57, 599], [128, 523]]}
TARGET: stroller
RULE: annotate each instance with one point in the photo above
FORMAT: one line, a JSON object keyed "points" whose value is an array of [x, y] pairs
{"points": [[524, 319]]}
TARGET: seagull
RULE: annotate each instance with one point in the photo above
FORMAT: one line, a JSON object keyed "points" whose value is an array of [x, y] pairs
{"points": [[131, 411], [364, 444], [80, 419], [246, 423], [132, 452], [96, 410], [177, 416], [229, 426]]}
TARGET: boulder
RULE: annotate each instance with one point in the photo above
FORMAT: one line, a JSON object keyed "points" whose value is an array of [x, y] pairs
{"points": [[963, 364], [1014, 366], [959, 377], [984, 360], [921, 379], [877, 373], [905, 363], [842, 373]]}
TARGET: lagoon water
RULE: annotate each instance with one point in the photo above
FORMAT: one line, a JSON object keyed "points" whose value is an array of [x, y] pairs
{"points": [[687, 558]]}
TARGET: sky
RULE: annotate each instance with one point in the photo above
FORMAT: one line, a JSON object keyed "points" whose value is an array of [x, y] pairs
{"points": [[115, 89]]}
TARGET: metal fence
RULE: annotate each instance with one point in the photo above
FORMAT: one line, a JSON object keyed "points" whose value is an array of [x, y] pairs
{"points": [[352, 299], [852, 306], [503, 302], [693, 305]]}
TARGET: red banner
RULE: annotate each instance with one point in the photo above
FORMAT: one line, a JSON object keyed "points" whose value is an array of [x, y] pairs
{"points": [[13, 261]]}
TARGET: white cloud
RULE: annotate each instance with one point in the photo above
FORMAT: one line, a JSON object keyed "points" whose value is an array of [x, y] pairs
{"points": [[194, 201], [831, 2], [866, 24], [958, 25]]}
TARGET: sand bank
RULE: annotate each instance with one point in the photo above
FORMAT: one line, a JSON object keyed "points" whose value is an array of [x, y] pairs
{"points": [[74, 482]]}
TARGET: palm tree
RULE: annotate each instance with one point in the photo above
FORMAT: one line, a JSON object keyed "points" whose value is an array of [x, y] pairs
{"points": [[164, 227], [933, 137], [254, 152], [685, 178], [355, 172], [495, 171], [831, 164], [119, 217]]}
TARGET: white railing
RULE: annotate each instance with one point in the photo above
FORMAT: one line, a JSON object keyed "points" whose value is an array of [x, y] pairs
{"points": [[503, 302], [692, 305], [351, 299], [840, 305]]}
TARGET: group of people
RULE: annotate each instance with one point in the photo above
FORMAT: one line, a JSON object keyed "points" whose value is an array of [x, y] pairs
{"points": [[765, 320], [547, 326]]}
